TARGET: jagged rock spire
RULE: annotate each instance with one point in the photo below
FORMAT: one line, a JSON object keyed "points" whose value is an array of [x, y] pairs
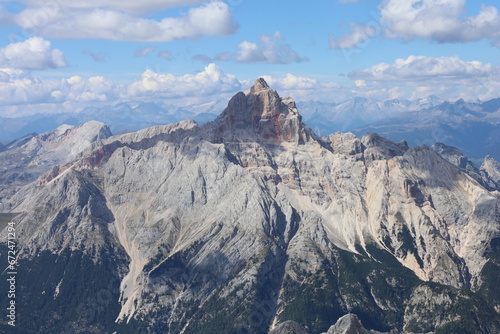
{"points": [[259, 84], [262, 111]]}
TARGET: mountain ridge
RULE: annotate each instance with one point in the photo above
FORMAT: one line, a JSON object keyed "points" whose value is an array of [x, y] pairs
{"points": [[466, 125], [243, 223]]}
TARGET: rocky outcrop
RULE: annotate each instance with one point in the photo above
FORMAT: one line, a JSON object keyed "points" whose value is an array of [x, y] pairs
{"points": [[289, 327], [380, 148], [487, 175], [251, 220], [350, 324], [453, 155], [491, 170]]}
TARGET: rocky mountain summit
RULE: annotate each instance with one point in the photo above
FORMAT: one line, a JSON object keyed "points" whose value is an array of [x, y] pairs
{"points": [[23, 160], [253, 224]]}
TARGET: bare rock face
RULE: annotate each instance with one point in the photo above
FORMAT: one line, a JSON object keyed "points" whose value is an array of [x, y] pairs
{"points": [[345, 143], [453, 155], [348, 324], [260, 111], [491, 168], [457, 158], [289, 327], [251, 221], [380, 148]]}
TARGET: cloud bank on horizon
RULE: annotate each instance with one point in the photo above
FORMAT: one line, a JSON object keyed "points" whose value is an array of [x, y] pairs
{"points": [[60, 55]]}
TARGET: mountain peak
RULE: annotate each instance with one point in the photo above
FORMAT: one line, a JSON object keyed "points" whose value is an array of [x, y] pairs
{"points": [[260, 111], [259, 85]]}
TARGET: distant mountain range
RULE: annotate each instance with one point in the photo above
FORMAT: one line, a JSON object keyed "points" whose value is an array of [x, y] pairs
{"points": [[325, 118], [121, 117], [472, 127]]}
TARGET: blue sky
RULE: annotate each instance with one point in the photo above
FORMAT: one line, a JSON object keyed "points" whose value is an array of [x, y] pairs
{"points": [[63, 55]]}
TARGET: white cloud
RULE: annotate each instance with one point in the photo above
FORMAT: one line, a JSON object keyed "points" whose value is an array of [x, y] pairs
{"points": [[419, 68], [249, 53], [214, 18], [270, 49], [122, 5], [360, 83], [359, 34], [78, 89], [291, 82], [420, 76], [439, 20], [33, 54], [442, 21], [19, 87], [302, 88], [427, 19], [212, 80]]}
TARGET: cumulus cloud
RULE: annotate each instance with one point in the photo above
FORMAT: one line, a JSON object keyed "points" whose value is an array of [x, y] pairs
{"points": [[442, 21], [250, 53], [214, 18], [78, 89], [420, 76], [270, 49], [20, 87], [439, 20], [33, 54], [419, 68], [212, 80]]}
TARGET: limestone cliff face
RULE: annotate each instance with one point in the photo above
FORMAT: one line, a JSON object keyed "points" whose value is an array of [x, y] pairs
{"points": [[260, 113], [250, 221]]}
